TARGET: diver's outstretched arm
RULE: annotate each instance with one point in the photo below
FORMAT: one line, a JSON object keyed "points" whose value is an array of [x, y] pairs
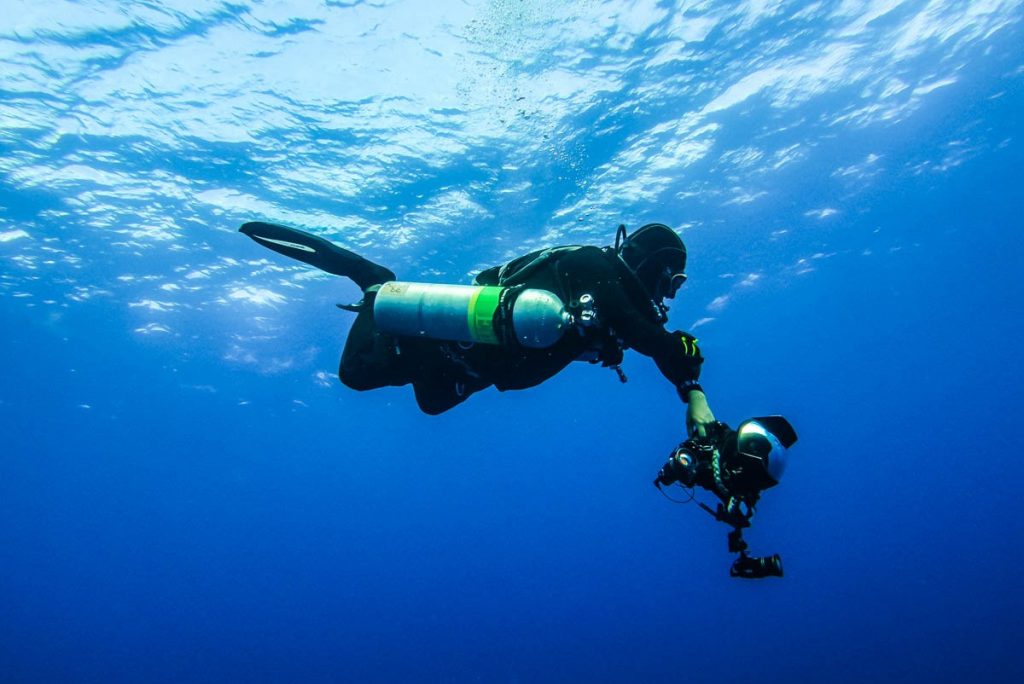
{"points": [[317, 252]]}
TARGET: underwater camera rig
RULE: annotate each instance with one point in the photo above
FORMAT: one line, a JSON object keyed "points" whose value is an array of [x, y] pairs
{"points": [[736, 466]]}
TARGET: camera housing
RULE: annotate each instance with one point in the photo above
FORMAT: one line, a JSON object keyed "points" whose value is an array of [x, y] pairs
{"points": [[736, 466]]}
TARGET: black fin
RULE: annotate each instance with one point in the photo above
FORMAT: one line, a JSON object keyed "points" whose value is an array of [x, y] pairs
{"points": [[317, 252], [369, 295]]}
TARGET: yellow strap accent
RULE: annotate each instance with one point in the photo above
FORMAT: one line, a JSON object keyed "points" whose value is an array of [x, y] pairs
{"points": [[689, 345]]}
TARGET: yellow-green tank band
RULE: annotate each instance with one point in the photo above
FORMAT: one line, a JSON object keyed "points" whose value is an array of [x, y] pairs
{"points": [[482, 307]]}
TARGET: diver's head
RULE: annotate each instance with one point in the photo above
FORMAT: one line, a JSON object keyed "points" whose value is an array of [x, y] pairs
{"points": [[657, 256]]}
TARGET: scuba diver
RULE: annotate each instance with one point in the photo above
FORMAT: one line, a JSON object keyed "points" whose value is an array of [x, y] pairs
{"points": [[518, 324]]}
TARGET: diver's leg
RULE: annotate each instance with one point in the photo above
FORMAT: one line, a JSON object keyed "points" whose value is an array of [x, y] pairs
{"points": [[318, 252], [450, 378], [371, 358], [437, 395]]}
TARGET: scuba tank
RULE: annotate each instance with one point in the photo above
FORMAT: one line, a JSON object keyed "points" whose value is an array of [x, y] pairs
{"points": [[472, 313]]}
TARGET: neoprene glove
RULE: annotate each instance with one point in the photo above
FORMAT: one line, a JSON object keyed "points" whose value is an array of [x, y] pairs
{"points": [[690, 347]]}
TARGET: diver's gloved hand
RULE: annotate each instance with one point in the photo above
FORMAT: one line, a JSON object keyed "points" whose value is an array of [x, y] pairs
{"points": [[690, 347], [699, 417]]}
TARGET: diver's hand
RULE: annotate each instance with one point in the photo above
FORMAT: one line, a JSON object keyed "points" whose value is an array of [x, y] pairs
{"points": [[698, 414]]}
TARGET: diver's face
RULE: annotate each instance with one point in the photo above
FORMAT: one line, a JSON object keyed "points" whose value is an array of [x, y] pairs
{"points": [[670, 283]]}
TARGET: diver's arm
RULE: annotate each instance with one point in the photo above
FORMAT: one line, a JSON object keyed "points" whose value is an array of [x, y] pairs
{"points": [[698, 413], [677, 355]]}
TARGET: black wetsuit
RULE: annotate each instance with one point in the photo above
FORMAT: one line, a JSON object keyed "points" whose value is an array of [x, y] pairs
{"points": [[443, 374]]}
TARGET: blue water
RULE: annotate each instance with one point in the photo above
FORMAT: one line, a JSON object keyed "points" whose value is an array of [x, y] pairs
{"points": [[188, 494]]}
